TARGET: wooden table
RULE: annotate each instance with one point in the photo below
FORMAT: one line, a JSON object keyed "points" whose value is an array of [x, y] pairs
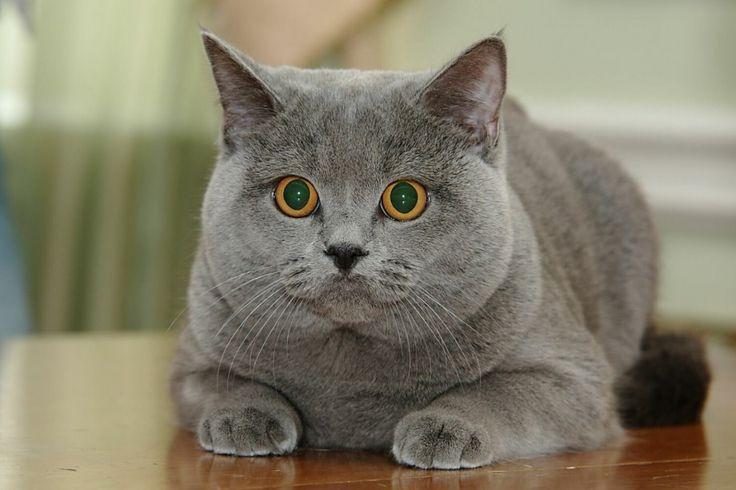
{"points": [[92, 411]]}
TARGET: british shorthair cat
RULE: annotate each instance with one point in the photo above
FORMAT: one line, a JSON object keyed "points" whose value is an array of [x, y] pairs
{"points": [[407, 262]]}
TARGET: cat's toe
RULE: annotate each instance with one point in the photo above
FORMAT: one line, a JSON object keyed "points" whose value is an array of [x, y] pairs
{"points": [[442, 441], [246, 431]]}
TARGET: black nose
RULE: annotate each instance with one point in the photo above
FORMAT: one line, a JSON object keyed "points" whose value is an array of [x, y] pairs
{"points": [[345, 255]]}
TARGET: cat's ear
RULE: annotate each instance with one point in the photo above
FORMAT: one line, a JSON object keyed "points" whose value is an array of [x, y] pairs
{"points": [[469, 90], [246, 99]]}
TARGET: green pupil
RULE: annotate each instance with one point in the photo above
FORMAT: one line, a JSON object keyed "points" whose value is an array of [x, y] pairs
{"points": [[296, 194], [404, 197]]}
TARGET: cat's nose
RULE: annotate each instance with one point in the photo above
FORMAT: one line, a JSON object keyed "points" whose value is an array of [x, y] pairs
{"points": [[345, 255]]}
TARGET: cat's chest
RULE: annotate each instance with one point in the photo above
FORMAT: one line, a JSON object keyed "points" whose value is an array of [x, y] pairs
{"points": [[349, 394], [355, 413]]}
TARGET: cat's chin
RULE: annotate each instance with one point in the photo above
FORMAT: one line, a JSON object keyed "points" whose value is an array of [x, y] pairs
{"points": [[347, 301], [346, 314], [346, 311]]}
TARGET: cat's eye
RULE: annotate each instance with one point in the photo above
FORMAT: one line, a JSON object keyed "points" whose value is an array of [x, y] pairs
{"points": [[295, 197], [404, 200]]}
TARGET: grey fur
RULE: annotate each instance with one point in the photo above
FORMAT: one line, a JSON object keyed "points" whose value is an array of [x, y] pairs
{"points": [[491, 327]]}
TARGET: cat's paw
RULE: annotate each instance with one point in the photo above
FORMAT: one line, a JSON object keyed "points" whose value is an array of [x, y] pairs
{"points": [[247, 431], [430, 439]]}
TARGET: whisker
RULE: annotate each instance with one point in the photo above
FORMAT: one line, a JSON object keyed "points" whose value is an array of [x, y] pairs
{"points": [[390, 320], [292, 322], [278, 336], [477, 359], [418, 331], [401, 324], [437, 337], [443, 324], [450, 312], [265, 341], [442, 279], [235, 313], [252, 299], [245, 337], [452, 335], [217, 286]]}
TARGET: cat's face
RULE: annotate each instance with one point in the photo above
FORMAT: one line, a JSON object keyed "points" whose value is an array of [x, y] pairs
{"points": [[360, 195]]}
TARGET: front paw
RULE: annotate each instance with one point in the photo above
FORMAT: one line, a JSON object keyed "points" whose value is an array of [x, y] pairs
{"points": [[434, 439], [247, 431]]}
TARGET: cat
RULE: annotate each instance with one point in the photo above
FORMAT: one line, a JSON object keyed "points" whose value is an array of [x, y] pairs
{"points": [[406, 262]]}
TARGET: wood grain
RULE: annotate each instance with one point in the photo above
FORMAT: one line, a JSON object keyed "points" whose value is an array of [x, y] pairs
{"points": [[92, 411]]}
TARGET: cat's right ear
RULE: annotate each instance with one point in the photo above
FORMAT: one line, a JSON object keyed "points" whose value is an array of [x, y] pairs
{"points": [[469, 91], [245, 98]]}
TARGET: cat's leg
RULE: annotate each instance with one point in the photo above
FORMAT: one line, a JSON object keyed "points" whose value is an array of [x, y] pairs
{"points": [[247, 419], [509, 415], [229, 416]]}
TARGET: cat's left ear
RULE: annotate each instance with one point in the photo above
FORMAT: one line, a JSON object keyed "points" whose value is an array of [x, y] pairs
{"points": [[469, 90], [247, 101]]}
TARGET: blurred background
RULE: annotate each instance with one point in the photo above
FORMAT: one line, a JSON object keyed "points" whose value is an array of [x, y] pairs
{"points": [[108, 119]]}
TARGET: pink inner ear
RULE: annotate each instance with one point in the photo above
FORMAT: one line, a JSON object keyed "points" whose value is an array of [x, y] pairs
{"points": [[470, 90], [492, 130], [245, 98], [484, 99]]}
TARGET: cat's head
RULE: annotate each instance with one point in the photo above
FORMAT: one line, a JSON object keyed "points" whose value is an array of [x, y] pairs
{"points": [[360, 195]]}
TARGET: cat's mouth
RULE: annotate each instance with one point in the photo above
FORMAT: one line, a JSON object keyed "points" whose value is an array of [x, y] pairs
{"points": [[347, 300]]}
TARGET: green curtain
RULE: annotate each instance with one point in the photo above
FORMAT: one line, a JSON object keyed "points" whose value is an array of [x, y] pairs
{"points": [[107, 167]]}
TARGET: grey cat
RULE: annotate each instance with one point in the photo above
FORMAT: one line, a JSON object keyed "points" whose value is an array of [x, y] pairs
{"points": [[406, 262]]}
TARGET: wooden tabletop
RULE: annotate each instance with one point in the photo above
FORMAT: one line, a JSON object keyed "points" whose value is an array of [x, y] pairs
{"points": [[92, 411]]}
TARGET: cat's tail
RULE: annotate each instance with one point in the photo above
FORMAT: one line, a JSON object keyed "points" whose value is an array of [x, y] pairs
{"points": [[668, 385]]}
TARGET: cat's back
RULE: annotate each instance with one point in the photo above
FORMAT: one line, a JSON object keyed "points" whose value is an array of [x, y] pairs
{"points": [[593, 227]]}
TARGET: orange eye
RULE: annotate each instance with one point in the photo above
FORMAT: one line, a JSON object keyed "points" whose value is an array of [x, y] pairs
{"points": [[295, 197], [404, 200]]}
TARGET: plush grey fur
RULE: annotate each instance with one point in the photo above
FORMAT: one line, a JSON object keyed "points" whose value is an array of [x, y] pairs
{"points": [[491, 327]]}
